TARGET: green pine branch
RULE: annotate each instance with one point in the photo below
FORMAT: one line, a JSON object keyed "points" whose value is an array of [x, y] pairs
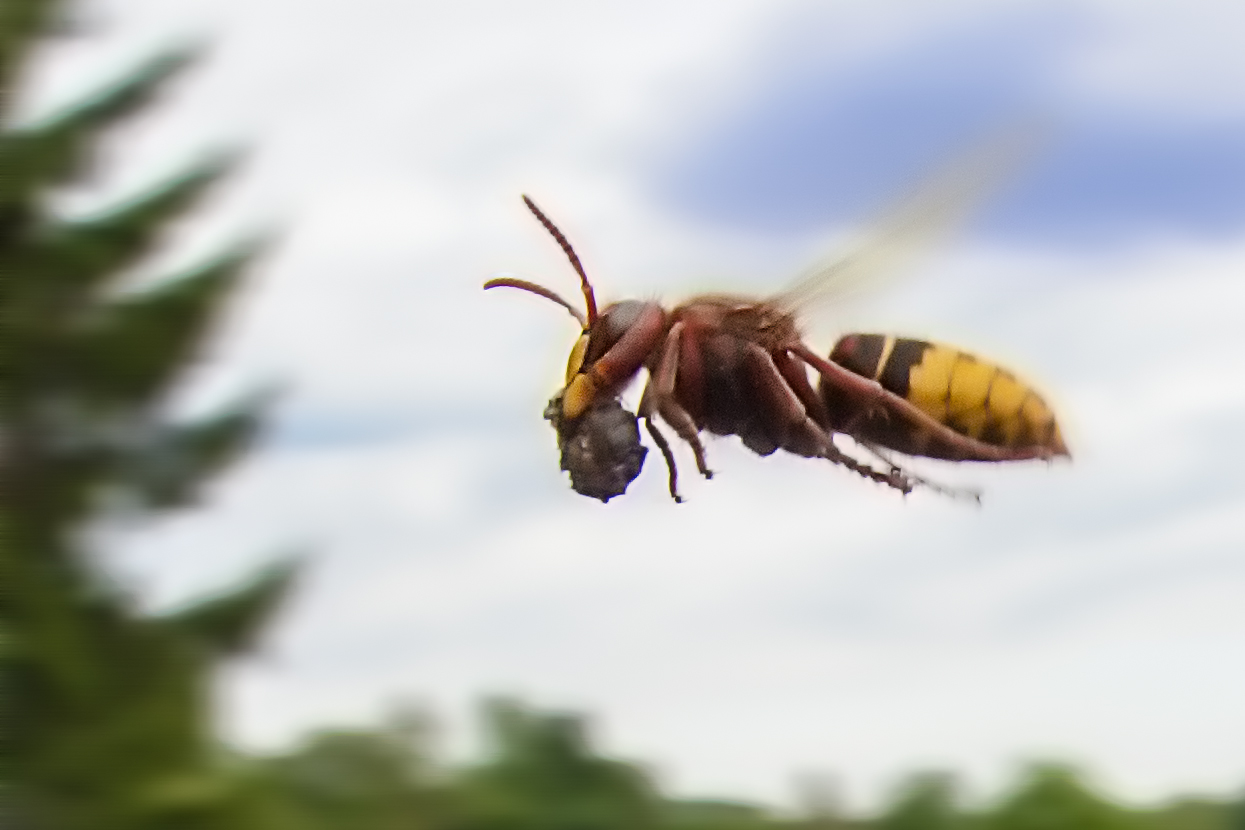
{"points": [[79, 257], [173, 462], [227, 625], [136, 348], [54, 278], [57, 152], [21, 22]]}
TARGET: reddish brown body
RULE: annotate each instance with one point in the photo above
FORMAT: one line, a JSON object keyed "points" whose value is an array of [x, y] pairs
{"points": [[738, 366]]}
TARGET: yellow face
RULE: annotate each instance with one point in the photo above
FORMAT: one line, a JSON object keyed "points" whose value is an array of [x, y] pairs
{"points": [[583, 381], [576, 360], [580, 389]]}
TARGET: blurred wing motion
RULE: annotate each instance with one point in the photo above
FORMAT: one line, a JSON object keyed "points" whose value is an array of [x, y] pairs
{"points": [[928, 214]]}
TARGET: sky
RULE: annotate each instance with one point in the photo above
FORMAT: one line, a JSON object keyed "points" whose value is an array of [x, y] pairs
{"points": [[788, 619]]}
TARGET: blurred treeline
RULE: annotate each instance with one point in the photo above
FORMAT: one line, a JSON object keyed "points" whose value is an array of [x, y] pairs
{"points": [[107, 715], [543, 774]]}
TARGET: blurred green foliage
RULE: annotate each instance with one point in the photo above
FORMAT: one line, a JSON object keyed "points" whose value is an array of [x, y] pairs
{"points": [[107, 720], [541, 772], [1052, 797], [925, 802]]}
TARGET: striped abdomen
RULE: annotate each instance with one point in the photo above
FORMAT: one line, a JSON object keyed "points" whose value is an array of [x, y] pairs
{"points": [[971, 397]]}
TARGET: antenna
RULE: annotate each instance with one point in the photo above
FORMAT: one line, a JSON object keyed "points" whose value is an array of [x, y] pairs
{"points": [[589, 298], [540, 291]]}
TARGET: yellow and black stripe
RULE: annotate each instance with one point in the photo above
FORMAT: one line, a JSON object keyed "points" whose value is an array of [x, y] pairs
{"points": [[972, 397]]}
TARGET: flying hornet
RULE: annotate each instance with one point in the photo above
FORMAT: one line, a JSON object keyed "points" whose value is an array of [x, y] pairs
{"points": [[732, 365]]}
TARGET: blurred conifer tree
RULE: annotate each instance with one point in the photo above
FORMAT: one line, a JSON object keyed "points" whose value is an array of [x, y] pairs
{"points": [[107, 722]]}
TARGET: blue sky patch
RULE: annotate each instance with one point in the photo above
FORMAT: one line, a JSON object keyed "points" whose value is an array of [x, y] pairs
{"points": [[835, 144]]}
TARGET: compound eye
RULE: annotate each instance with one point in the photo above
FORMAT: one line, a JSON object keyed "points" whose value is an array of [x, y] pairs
{"points": [[613, 323], [576, 360]]}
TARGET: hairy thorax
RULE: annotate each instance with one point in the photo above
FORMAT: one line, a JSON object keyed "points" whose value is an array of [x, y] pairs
{"points": [[744, 317]]}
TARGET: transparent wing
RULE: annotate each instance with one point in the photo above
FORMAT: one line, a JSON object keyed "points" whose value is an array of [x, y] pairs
{"points": [[929, 213]]}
